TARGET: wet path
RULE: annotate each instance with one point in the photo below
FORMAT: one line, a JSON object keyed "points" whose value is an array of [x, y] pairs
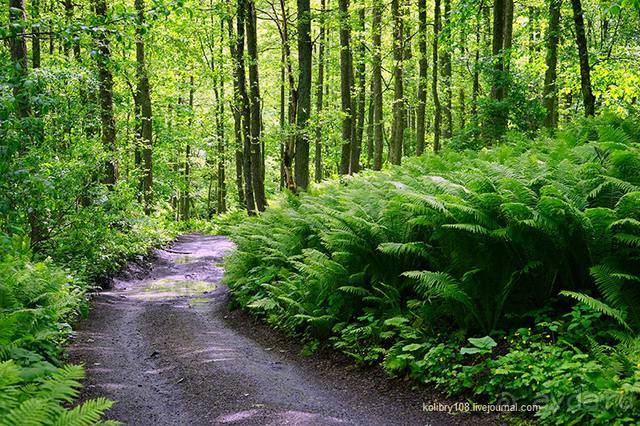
{"points": [[163, 348]]}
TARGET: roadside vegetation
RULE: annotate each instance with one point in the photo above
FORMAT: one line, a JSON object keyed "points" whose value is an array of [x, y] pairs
{"points": [[507, 275]]}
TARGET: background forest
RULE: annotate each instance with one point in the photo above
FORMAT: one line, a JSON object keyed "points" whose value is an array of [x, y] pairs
{"points": [[497, 174]]}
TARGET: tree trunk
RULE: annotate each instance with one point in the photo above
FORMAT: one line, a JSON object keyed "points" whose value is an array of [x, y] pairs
{"points": [[398, 126], [360, 75], [257, 172], [320, 93], [437, 116], [144, 99], [583, 53], [346, 83], [242, 102], [550, 96], [498, 119], [378, 142], [304, 95], [221, 194], [237, 119], [422, 76], [508, 34], [18, 46], [186, 195], [446, 72], [475, 91], [35, 37], [105, 91], [290, 140]]}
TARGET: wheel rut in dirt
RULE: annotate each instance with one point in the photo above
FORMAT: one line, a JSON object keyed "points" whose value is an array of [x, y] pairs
{"points": [[165, 347]]}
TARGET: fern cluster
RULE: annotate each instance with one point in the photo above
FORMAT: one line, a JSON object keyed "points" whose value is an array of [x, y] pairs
{"points": [[37, 302], [473, 239]]}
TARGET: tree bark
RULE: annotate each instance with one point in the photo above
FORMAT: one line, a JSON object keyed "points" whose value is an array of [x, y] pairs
{"points": [[422, 76], [346, 83], [446, 71], [257, 169], [144, 100], [583, 53], [360, 74], [378, 142], [437, 116], [105, 92], [498, 119], [320, 93], [221, 190], [304, 95], [242, 102], [18, 47], [237, 119], [397, 133], [550, 96], [35, 37]]}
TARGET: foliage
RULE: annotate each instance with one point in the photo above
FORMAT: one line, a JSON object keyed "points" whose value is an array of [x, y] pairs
{"points": [[462, 244]]}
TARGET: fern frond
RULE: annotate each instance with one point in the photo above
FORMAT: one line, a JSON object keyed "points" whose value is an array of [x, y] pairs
{"points": [[598, 306]]}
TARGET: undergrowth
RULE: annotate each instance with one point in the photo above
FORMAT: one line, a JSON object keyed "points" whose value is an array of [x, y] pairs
{"points": [[509, 274], [43, 291]]}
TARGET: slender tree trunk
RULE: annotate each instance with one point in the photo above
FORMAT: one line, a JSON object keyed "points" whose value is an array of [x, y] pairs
{"points": [[221, 195], [422, 76], [360, 74], [35, 37], [378, 130], [583, 53], [550, 96], [498, 119], [508, 37], [446, 71], [241, 101], [237, 118], [186, 195], [290, 141], [437, 116], [370, 112], [18, 47], [304, 94], [346, 83], [475, 91], [397, 133], [257, 171], [283, 118], [105, 91], [144, 99], [320, 93]]}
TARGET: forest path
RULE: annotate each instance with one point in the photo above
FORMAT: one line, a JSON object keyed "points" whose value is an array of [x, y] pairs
{"points": [[168, 350]]}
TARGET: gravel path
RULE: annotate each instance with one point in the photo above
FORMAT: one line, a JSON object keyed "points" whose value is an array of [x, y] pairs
{"points": [[165, 346]]}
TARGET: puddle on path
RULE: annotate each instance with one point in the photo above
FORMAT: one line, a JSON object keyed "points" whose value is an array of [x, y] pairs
{"points": [[183, 260], [167, 289]]}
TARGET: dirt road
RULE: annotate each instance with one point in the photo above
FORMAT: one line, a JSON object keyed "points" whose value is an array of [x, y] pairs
{"points": [[165, 346]]}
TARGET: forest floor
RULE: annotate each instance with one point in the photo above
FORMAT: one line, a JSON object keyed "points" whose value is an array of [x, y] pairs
{"points": [[164, 345]]}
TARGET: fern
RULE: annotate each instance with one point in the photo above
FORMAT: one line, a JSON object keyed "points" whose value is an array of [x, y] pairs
{"points": [[598, 306]]}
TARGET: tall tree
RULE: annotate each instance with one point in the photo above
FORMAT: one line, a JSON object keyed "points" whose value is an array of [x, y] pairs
{"points": [[320, 92], [360, 79], [237, 118], [498, 118], [143, 95], [422, 76], [437, 119], [35, 36], [18, 46], [346, 83], [241, 102], [446, 70], [105, 93], [305, 52], [588, 98], [257, 166], [550, 96], [397, 132], [378, 123]]}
